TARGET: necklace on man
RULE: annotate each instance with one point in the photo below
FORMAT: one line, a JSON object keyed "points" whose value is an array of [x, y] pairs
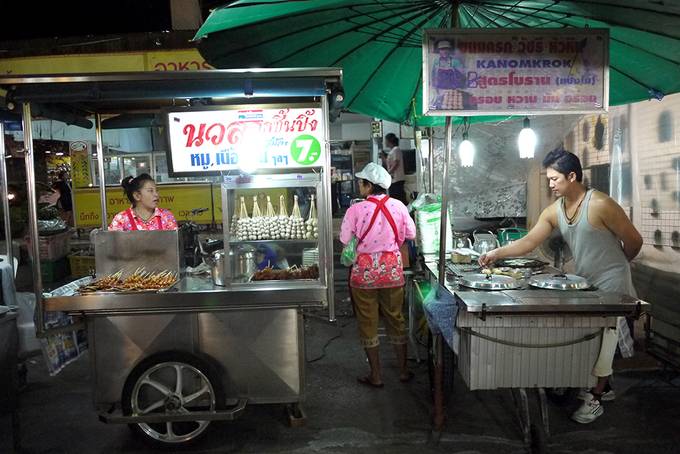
{"points": [[570, 219]]}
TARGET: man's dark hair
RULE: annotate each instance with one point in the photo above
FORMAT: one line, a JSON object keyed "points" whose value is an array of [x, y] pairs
{"points": [[391, 138], [564, 162]]}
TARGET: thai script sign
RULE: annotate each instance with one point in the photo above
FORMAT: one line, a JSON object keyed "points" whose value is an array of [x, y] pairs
{"points": [[249, 139], [519, 71]]}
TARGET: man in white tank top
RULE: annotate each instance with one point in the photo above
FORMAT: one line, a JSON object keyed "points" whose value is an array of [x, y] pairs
{"points": [[603, 241]]}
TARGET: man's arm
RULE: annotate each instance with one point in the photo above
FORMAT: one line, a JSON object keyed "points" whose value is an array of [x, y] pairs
{"points": [[615, 219], [539, 233]]}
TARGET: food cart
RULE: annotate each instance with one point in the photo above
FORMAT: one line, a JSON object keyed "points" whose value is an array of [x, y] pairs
{"points": [[169, 359], [524, 327], [529, 327]]}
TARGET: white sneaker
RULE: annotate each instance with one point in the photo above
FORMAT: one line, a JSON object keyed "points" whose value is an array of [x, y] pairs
{"points": [[607, 396], [589, 411]]}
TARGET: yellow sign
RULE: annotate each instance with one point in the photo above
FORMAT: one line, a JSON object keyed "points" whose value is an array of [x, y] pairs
{"points": [[177, 60], [80, 165], [179, 199]]}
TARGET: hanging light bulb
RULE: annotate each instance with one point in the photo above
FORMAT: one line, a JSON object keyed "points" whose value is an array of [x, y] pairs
{"points": [[526, 141], [466, 151]]}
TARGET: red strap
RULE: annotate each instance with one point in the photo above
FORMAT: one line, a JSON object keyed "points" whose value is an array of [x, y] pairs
{"points": [[380, 206], [133, 224], [160, 222]]}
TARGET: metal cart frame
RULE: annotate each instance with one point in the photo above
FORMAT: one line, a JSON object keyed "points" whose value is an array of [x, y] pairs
{"points": [[229, 346]]}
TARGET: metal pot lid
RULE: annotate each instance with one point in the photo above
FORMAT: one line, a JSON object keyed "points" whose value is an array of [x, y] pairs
{"points": [[488, 281], [559, 282]]}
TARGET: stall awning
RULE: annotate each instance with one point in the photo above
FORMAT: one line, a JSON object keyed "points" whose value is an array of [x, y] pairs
{"points": [[113, 93]]}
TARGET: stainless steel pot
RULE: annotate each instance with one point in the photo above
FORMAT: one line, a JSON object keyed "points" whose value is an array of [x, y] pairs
{"points": [[217, 263], [245, 265]]}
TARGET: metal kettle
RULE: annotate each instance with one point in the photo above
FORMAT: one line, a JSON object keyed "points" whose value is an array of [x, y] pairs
{"points": [[461, 240], [485, 241]]}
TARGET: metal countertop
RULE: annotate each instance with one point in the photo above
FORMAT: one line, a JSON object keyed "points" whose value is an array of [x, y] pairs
{"points": [[540, 301], [196, 294]]}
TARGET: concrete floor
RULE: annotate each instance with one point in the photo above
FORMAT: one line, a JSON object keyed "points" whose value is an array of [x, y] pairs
{"points": [[56, 415]]}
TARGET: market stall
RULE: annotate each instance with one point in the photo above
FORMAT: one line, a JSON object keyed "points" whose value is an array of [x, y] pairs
{"points": [[172, 351], [516, 326]]}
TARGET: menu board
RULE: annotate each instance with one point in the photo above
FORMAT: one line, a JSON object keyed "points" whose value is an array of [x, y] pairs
{"points": [[515, 71], [247, 140]]}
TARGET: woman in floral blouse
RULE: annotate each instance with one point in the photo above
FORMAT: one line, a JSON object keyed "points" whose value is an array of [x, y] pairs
{"points": [[381, 224], [144, 213]]}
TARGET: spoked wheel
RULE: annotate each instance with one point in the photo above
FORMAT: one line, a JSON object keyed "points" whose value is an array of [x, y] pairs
{"points": [[171, 383]]}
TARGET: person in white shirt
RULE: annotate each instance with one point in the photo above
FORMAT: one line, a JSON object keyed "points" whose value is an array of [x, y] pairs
{"points": [[395, 166]]}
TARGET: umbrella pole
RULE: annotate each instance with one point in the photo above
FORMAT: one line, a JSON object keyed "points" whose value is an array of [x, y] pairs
{"points": [[430, 161], [439, 416]]}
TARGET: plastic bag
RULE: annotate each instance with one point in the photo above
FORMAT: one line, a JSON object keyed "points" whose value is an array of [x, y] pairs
{"points": [[348, 256]]}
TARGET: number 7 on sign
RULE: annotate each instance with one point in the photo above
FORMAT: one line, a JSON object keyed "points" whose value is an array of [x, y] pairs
{"points": [[305, 149], [305, 145]]}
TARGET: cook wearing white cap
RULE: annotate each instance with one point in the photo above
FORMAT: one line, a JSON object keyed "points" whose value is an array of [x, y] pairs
{"points": [[375, 174], [381, 224]]}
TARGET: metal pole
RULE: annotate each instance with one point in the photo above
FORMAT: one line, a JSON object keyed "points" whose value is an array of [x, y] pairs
{"points": [[445, 205], [100, 167], [325, 213], [430, 161], [4, 191], [33, 218]]}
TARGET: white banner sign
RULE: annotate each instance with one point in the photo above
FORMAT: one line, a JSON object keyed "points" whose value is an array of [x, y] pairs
{"points": [[246, 140], [516, 71]]}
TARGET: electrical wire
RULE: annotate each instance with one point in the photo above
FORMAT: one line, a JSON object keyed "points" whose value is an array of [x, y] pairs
{"points": [[310, 316]]}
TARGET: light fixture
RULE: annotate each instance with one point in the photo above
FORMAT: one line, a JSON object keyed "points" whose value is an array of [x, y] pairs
{"points": [[48, 152], [466, 149], [526, 141], [59, 153], [11, 196]]}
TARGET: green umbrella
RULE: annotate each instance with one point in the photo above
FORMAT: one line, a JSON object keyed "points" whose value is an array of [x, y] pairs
{"points": [[378, 42]]}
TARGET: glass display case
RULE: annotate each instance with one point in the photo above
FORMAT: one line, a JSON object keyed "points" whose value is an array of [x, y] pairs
{"points": [[272, 227]]}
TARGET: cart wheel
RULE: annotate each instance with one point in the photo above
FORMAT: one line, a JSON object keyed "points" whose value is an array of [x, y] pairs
{"points": [[539, 439], [171, 383]]}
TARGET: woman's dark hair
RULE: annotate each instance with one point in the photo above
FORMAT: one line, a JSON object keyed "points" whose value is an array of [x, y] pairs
{"points": [[564, 162], [376, 190], [391, 138], [131, 185]]}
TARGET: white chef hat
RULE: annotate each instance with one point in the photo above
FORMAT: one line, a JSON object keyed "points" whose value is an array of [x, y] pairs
{"points": [[375, 174]]}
